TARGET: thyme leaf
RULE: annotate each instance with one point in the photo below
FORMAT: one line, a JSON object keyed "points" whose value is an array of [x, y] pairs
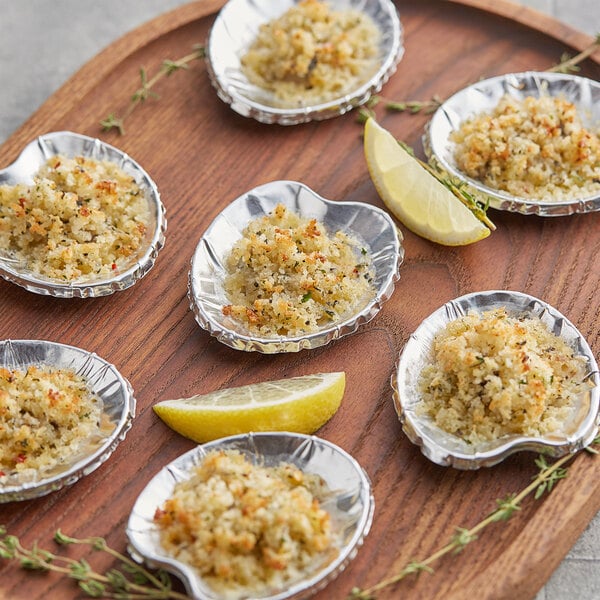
{"points": [[363, 113], [570, 64], [411, 106], [416, 567], [113, 122], [461, 538], [505, 508], [591, 449], [415, 106]]}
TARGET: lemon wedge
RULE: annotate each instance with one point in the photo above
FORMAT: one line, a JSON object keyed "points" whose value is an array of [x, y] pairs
{"points": [[298, 404], [414, 196]]}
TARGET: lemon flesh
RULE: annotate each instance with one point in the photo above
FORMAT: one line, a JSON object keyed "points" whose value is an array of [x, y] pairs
{"points": [[299, 404], [414, 196]]}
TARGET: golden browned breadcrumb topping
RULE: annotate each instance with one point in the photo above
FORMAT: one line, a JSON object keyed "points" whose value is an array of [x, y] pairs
{"points": [[46, 416], [494, 375], [288, 276], [82, 218], [246, 528], [532, 148], [312, 54]]}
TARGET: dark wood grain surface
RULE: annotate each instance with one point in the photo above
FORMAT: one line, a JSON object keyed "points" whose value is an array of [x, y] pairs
{"points": [[202, 156]]}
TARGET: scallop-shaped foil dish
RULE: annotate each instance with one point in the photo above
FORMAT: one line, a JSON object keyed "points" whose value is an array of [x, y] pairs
{"points": [[235, 29], [71, 144], [483, 97], [369, 225], [346, 496], [577, 431], [103, 380]]}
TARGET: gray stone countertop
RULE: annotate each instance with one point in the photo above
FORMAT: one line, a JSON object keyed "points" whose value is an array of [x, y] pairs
{"points": [[43, 43]]}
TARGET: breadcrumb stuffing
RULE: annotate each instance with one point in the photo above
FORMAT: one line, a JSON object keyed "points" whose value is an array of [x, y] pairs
{"points": [[493, 375], [246, 528], [47, 415], [312, 54], [287, 276], [533, 148], [82, 218]]}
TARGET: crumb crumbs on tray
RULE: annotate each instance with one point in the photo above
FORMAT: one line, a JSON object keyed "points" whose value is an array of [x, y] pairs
{"points": [[81, 219], [494, 375], [533, 148], [288, 276], [246, 528]]}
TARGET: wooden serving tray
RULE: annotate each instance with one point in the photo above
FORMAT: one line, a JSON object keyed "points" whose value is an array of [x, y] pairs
{"points": [[202, 155]]}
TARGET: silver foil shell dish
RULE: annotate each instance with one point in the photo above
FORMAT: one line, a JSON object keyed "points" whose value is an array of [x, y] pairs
{"points": [[349, 502], [235, 29], [70, 144], [450, 450], [369, 224], [483, 96], [118, 407]]}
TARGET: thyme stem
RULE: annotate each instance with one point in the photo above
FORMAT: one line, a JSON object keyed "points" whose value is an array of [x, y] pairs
{"points": [[461, 193], [569, 64], [145, 91], [547, 475], [113, 584], [99, 544], [413, 107]]}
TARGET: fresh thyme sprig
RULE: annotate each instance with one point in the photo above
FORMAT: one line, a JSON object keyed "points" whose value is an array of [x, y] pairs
{"points": [[570, 64], [415, 106], [131, 581], [459, 189], [145, 91], [411, 106], [567, 64], [543, 482], [591, 448]]}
